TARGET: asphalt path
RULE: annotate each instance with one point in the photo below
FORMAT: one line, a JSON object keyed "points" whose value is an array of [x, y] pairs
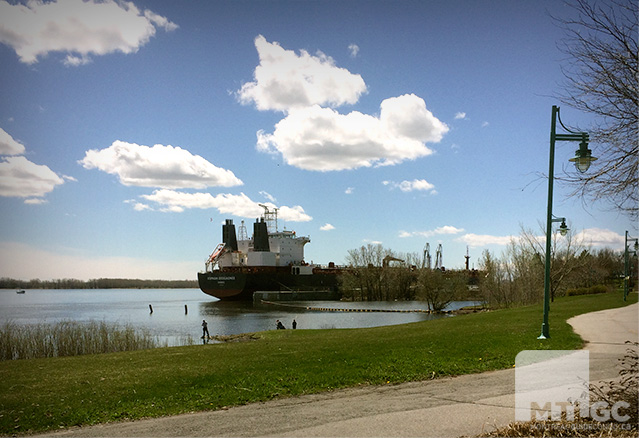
{"points": [[446, 407]]}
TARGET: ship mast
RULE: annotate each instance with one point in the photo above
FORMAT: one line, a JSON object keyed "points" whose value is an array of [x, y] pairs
{"points": [[243, 235]]}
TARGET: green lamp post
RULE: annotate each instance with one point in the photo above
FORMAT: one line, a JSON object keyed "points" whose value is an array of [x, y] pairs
{"points": [[626, 269], [583, 158]]}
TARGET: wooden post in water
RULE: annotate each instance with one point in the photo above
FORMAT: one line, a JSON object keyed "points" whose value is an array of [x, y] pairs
{"points": [[186, 310], [150, 308]]}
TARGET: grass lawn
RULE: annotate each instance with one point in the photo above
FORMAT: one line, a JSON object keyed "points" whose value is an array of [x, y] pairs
{"points": [[45, 394]]}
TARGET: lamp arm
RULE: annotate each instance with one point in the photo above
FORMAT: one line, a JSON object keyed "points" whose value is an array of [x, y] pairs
{"points": [[564, 126]]}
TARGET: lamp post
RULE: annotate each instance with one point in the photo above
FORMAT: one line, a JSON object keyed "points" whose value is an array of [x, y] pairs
{"points": [[626, 269], [583, 158]]}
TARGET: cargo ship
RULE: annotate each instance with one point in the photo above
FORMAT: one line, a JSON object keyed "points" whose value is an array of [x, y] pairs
{"points": [[270, 260]]}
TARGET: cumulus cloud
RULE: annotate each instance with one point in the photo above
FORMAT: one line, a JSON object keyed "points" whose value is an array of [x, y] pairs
{"points": [[409, 186], [158, 166], [9, 146], [327, 227], [237, 205], [446, 229], [77, 27], [316, 138], [284, 80], [21, 178]]}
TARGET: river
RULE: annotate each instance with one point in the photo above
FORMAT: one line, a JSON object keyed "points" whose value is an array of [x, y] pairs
{"points": [[178, 313]]}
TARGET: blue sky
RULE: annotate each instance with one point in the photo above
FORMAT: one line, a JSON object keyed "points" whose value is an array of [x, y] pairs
{"points": [[130, 131]]}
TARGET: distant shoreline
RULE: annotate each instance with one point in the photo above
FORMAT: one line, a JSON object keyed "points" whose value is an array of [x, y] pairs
{"points": [[100, 283]]}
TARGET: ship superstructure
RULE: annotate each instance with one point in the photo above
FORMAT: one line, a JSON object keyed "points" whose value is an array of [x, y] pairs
{"points": [[268, 261]]}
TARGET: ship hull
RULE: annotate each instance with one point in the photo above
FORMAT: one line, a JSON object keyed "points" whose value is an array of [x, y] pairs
{"points": [[241, 283]]}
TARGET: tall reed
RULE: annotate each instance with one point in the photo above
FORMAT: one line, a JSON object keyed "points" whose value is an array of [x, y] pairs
{"points": [[70, 338]]}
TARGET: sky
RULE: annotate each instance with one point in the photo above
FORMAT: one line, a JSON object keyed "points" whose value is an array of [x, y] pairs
{"points": [[129, 131]]}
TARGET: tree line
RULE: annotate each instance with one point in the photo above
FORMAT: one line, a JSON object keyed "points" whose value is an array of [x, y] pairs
{"points": [[99, 283], [376, 273], [515, 277]]}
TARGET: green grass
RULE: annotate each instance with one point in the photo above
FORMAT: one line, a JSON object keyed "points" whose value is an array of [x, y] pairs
{"points": [[44, 394]]}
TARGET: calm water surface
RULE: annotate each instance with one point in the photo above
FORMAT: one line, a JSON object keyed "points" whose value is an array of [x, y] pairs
{"points": [[169, 320]]}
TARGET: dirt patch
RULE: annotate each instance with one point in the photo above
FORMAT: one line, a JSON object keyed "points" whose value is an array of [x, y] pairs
{"points": [[242, 337]]}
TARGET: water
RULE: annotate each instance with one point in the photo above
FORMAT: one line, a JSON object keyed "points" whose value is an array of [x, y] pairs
{"points": [[169, 322]]}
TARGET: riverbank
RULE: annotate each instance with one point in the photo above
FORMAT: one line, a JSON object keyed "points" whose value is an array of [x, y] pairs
{"points": [[48, 394]]}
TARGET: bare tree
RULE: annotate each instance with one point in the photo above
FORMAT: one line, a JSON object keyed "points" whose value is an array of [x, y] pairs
{"points": [[601, 79], [439, 288], [371, 277]]}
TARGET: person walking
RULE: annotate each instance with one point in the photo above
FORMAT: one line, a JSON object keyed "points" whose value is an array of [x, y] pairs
{"points": [[205, 330]]}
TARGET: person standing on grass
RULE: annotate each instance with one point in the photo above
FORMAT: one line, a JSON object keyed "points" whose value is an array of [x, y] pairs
{"points": [[205, 330], [294, 324]]}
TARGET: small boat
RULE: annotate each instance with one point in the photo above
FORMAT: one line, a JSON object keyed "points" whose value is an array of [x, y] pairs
{"points": [[21, 291]]}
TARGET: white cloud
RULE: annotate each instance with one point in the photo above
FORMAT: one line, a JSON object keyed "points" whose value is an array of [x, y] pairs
{"points": [[475, 240], [22, 261], [285, 80], [268, 196], [315, 138], [21, 178], [35, 201], [77, 27], [327, 227], [446, 229], [9, 146], [158, 166], [237, 205], [349, 190], [601, 237], [460, 116], [74, 61], [485, 124], [409, 186], [591, 236], [353, 49]]}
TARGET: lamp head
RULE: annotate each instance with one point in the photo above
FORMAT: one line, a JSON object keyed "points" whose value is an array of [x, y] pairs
{"points": [[563, 228], [583, 156]]}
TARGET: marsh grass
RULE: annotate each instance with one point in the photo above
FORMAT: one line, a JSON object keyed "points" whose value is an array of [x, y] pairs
{"points": [[70, 338]]}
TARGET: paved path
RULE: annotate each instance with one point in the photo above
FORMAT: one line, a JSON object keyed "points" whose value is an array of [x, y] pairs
{"points": [[449, 407]]}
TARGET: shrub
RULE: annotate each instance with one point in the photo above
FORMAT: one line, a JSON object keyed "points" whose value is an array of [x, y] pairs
{"points": [[596, 289]]}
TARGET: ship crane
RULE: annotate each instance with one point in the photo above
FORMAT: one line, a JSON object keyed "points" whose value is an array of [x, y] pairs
{"points": [[426, 262], [438, 257], [386, 261], [270, 216]]}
